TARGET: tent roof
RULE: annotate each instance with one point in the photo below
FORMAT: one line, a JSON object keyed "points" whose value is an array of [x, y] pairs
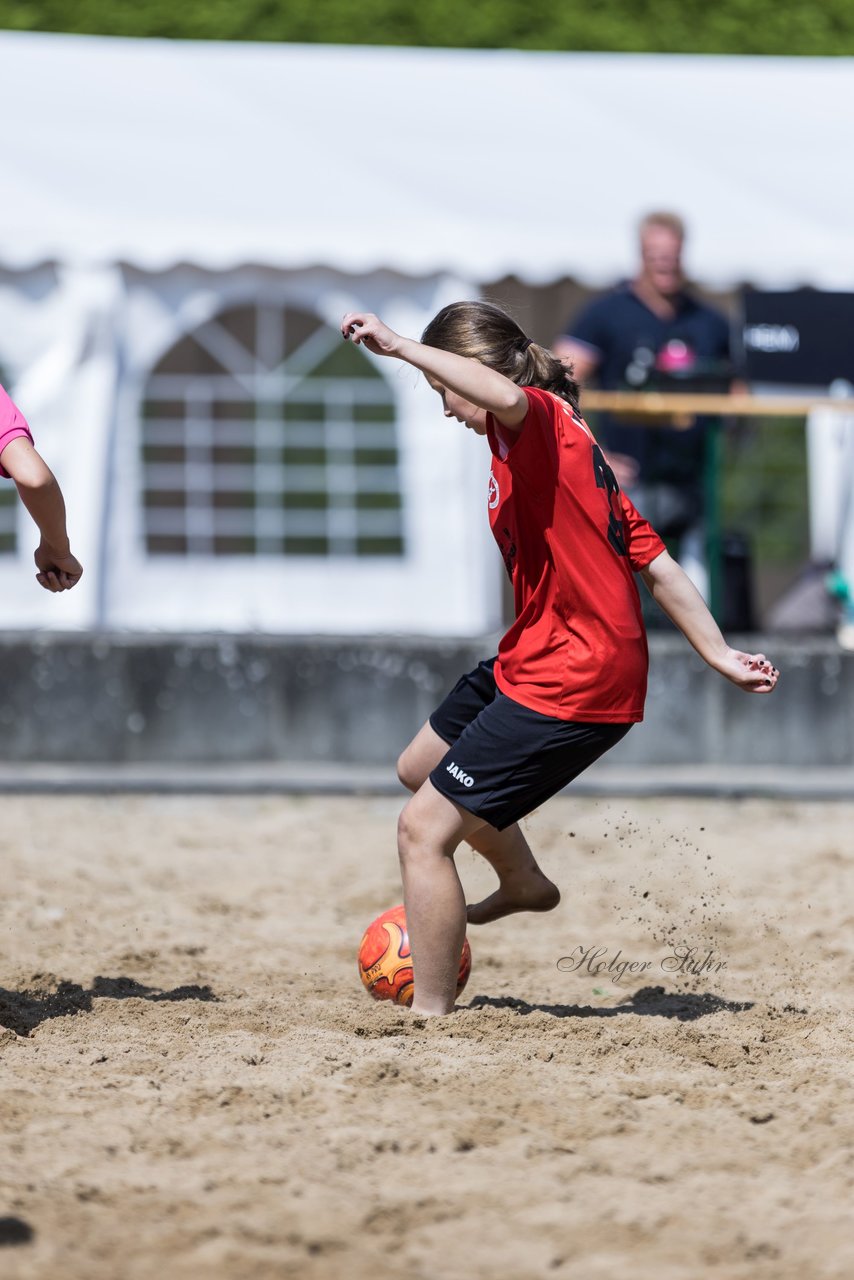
{"points": [[480, 163]]}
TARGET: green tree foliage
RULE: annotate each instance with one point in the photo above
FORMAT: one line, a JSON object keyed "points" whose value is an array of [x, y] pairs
{"points": [[764, 490], [625, 26]]}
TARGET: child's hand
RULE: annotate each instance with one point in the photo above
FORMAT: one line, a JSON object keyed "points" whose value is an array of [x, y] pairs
{"points": [[365, 328], [752, 672], [57, 572]]}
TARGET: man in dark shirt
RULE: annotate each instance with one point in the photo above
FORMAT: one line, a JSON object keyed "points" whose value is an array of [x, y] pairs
{"points": [[645, 332]]}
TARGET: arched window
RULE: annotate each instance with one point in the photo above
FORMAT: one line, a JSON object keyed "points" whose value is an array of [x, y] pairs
{"points": [[263, 433]]}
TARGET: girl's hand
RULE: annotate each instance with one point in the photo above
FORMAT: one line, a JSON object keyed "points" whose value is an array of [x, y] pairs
{"points": [[752, 672], [57, 572], [362, 327]]}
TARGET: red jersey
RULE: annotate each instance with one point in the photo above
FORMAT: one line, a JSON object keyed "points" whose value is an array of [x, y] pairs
{"points": [[571, 542]]}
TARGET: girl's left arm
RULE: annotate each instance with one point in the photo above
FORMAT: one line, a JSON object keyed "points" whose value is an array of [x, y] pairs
{"points": [[58, 569], [470, 379], [675, 593]]}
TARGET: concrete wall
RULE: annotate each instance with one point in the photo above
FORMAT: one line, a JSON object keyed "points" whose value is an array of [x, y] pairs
{"points": [[124, 698]]}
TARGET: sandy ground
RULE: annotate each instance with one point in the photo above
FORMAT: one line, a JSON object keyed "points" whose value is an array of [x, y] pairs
{"points": [[193, 1083]]}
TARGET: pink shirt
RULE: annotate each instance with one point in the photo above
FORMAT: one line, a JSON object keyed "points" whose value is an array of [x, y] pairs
{"points": [[12, 424]]}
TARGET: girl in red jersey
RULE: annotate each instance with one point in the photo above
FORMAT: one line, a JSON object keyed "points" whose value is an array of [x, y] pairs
{"points": [[570, 676]]}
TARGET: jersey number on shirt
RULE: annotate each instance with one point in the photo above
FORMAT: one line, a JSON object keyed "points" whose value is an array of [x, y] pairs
{"points": [[605, 479]]}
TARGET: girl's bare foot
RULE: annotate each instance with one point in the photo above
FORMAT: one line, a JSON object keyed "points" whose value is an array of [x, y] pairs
{"points": [[530, 892], [430, 1013]]}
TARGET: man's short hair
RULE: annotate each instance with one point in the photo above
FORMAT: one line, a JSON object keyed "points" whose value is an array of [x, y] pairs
{"points": [[663, 218]]}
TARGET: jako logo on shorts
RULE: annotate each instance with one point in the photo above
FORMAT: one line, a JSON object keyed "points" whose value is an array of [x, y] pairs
{"points": [[466, 779]]}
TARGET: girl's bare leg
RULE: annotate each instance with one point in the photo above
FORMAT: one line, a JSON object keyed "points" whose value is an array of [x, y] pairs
{"points": [[522, 884], [429, 831]]}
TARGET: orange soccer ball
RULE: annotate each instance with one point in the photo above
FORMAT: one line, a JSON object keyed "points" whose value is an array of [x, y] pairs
{"points": [[385, 961]]}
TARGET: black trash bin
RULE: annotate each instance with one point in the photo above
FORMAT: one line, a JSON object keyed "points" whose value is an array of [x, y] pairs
{"points": [[737, 610]]}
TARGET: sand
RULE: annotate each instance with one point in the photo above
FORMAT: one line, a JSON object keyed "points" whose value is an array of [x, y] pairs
{"points": [[193, 1083]]}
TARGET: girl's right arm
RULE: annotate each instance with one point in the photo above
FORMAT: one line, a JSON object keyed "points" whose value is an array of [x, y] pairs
{"points": [[58, 569], [470, 379], [674, 592]]}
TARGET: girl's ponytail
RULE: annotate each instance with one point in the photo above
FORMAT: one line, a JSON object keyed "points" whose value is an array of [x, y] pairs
{"points": [[543, 369]]}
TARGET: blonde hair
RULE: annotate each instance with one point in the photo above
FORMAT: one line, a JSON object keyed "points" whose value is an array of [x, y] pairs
{"points": [[662, 218], [484, 332]]}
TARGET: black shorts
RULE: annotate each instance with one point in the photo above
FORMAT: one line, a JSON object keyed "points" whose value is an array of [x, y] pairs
{"points": [[505, 759]]}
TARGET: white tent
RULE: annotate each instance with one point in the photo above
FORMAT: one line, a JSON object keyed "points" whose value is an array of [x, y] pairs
{"points": [[149, 186], [477, 164]]}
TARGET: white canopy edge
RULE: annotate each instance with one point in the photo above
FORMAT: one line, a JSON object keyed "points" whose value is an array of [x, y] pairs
{"points": [[482, 164]]}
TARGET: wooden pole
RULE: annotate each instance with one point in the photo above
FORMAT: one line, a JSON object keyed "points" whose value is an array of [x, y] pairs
{"points": [[683, 405]]}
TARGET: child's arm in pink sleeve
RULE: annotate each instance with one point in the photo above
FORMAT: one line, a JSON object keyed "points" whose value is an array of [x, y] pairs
{"points": [[13, 425], [58, 569]]}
